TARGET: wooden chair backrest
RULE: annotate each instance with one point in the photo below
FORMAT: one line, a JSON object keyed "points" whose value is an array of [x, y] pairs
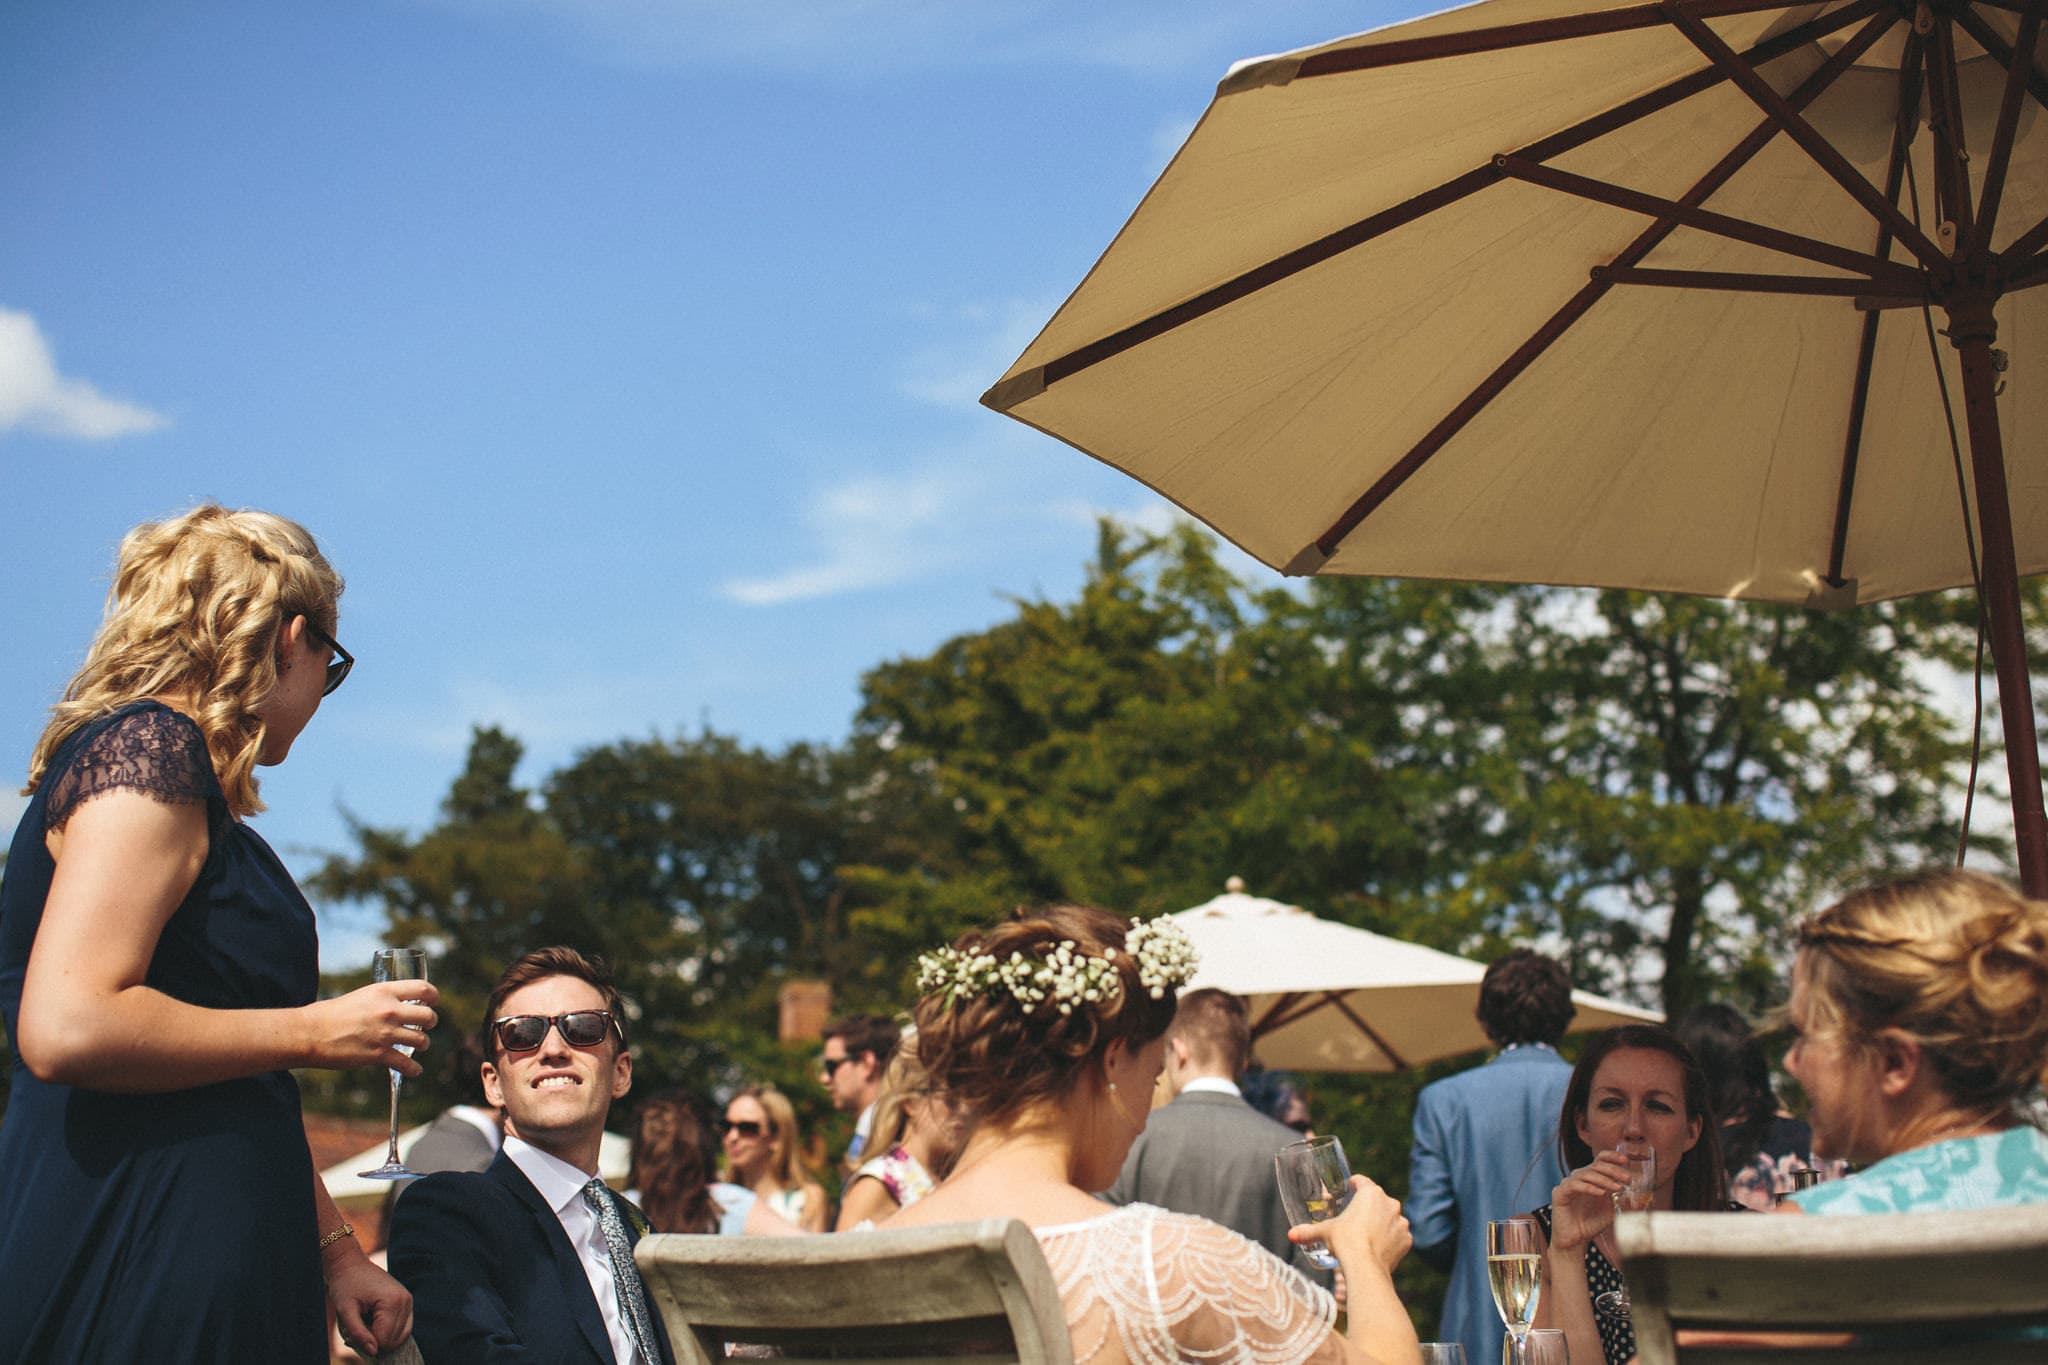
{"points": [[976, 1290], [1920, 1287]]}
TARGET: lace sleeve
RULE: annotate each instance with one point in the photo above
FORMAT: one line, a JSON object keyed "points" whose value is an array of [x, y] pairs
{"points": [[1211, 1295], [156, 752]]}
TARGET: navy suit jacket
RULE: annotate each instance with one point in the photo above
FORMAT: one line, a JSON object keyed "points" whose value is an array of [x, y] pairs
{"points": [[1485, 1148], [492, 1274]]}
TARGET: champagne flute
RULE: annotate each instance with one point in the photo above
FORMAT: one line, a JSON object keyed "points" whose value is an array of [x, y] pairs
{"points": [[1443, 1353], [1514, 1268], [396, 964], [1315, 1185], [1548, 1346], [1634, 1197]]}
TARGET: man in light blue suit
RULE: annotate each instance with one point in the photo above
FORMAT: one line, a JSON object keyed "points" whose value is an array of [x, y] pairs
{"points": [[1486, 1140]]}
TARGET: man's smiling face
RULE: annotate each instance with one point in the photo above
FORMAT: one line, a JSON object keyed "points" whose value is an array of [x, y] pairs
{"points": [[556, 1095]]}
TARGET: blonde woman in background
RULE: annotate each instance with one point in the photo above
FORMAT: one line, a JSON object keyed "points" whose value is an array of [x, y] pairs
{"points": [[1920, 1012], [761, 1145], [159, 976], [915, 1137]]}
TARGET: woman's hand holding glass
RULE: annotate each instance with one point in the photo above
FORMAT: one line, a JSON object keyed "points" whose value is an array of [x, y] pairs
{"points": [[1582, 1206], [1371, 1227], [369, 1025]]}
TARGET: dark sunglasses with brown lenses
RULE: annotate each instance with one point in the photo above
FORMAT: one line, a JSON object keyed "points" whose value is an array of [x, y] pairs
{"points": [[744, 1127], [579, 1028]]}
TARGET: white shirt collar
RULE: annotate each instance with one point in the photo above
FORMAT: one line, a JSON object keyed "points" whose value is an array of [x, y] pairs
{"points": [[559, 1183], [1211, 1085]]}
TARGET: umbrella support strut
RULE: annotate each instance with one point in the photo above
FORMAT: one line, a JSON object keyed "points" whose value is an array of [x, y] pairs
{"points": [[1971, 329]]}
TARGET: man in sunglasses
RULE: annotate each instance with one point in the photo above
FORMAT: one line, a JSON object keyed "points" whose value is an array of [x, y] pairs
{"points": [[531, 1258], [857, 1052]]}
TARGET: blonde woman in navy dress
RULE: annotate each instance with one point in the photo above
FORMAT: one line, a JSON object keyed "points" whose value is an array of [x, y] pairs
{"points": [[159, 973]]}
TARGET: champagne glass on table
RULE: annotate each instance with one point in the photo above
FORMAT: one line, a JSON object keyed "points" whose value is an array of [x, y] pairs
{"points": [[396, 964], [1443, 1353], [1634, 1197], [1315, 1185], [1548, 1346], [1514, 1268]]}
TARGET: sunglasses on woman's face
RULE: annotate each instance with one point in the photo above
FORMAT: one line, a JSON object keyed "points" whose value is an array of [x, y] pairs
{"points": [[744, 1127], [579, 1028], [339, 665]]}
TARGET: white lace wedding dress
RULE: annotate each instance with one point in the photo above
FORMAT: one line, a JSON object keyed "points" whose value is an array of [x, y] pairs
{"points": [[1142, 1286]]}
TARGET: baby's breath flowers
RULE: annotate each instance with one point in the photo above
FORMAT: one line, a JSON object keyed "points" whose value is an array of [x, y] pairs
{"points": [[1063, 976]]}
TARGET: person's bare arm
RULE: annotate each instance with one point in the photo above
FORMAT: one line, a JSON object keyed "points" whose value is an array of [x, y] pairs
{"points": [[1369, 1239], [88, 1019], [1581, 1208], [373, 1310], [866, 1200]]}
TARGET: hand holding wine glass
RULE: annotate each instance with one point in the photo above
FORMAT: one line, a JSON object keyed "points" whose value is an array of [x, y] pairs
{"points": [[1637, 1193], [396, 964]]}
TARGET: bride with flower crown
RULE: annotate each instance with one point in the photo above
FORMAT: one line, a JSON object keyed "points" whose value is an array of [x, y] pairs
{"points": [[1049, 1030]]}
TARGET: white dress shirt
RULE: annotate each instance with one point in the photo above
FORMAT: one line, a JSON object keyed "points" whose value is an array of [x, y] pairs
{"points": [[1214, 1085], [561, 1187]]}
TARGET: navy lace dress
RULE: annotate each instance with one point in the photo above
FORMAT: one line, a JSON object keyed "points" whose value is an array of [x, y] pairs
{"points": [[177, 1226]]}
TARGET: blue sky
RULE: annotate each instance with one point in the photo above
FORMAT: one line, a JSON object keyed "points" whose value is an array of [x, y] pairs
{"points": [[622, 355]]}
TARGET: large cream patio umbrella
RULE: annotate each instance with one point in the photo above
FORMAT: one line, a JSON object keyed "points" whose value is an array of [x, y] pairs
{"points": [[1607, 294], [1328, 997]]}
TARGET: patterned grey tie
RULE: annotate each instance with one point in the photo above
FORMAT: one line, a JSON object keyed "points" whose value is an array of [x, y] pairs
{"points": [[625, 1275]]}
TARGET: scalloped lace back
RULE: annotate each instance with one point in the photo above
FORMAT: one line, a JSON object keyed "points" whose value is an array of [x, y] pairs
{"points": [[1149, 1287], [154, 751]]}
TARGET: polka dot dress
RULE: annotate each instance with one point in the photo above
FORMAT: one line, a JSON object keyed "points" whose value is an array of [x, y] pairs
{"points": [[1617, 1333]]}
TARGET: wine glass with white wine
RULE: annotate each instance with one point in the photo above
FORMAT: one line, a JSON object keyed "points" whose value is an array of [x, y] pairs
{"points": [[1315, 1185], [1514, 1269], [396, 964], [1634, 1197]]}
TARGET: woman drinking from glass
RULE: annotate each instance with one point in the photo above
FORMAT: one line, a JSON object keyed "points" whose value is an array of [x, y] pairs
{"points": [[1636, 1107]]}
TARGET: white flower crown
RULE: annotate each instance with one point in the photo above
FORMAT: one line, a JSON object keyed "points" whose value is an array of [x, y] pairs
{"points": [[1065, 976]]}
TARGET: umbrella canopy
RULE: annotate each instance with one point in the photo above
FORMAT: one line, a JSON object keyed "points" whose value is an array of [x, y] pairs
{"points": [[1621, 295], [1328, 997], [346, 1187]]}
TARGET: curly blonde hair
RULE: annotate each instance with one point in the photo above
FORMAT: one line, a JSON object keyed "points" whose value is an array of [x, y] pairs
{"points": [[1956, 960], [195, 610]]}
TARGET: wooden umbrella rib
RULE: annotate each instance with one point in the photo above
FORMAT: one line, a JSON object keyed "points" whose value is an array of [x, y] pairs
{"points": [[1589, 294], [1745, 78], [1404, 51], [2025, 245], [1866, 346], [1993, 42], [1945, 123], [1276, 1014], [2018, 67], [1705, 220], [1337, 1004], [2027, 274], [1030, 382], [1748, 282]]}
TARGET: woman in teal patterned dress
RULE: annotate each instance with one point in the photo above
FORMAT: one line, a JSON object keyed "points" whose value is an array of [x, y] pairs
{"points": [[1920, 1010]]}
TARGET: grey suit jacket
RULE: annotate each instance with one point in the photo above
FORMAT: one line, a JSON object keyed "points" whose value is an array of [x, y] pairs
{"points": [[451, 1143], [1211, 1154]]}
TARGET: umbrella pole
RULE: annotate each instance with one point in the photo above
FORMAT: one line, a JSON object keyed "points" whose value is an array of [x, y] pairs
{"points": [[1971, 330]]}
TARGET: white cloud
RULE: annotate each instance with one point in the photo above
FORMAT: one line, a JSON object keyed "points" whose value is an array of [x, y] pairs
{"points": [[871, 532], [35, 397]]}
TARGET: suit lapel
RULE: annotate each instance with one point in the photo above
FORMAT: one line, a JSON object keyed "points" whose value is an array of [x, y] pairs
{"points": [[575, 1284]]}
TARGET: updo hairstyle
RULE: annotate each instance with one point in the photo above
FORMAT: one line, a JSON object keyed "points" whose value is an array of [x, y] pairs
{"points": [[195, 611], [1956, 960], [993, 1057]]}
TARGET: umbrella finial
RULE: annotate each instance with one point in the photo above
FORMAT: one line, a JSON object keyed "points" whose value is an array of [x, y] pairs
{"points": [[1235, 886]]}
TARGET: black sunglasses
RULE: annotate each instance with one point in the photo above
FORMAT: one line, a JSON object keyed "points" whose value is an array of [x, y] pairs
{"points": [[744, 1127], [579, 1028], [337, 668]]}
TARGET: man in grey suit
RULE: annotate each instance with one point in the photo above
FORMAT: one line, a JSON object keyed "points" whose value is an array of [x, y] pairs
{"points": [[1486, 1140], [1208, 1152], [466, 1136]]}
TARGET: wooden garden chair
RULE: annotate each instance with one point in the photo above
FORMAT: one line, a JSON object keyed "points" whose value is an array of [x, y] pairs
{"points": [[1880, 1289], [978, 1290]]}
